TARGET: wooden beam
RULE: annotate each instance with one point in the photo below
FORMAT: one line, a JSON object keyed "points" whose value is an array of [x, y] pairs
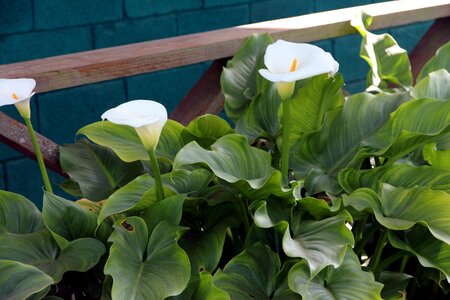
{"points": [[204, 98], [15, 135], [435, 37], [104, 64]]}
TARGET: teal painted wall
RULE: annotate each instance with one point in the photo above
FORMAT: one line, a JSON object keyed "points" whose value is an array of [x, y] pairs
{"points": [[31, 29]]}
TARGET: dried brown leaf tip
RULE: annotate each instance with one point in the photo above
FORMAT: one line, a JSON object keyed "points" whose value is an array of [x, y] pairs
{"points": [[127, 226]]}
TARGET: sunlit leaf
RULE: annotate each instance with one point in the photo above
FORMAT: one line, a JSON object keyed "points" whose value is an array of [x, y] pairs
{"points": [[96, 169], [240, 80], [347, 281], [231, 159], [439, 61], [437, 158], [320, 243], [143, 266], [435, 85], [401, 209], [206, 130]]}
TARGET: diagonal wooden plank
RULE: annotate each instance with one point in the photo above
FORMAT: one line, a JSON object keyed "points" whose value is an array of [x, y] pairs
{"points": [[105, 64], [435, 37], [15, 134], [205, 96]]}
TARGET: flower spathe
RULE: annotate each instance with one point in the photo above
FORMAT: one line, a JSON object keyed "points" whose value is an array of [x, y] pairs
{"points": [[146, 116], [288, 62], [18, 92]]}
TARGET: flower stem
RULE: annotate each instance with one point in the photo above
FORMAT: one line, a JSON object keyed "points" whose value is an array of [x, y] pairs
{"points": [[285, 146], [37, 151], [379, 249], [156, 175]]}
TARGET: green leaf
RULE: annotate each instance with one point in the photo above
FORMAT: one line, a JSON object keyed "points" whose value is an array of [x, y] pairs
{"points": [[311, 102], [20, 281], [320, 155], [125, 142], [184, 181], [430, 251], [399, 175], [240, 80], [282, 290], [245, 277], [261, 116], [169, 210], [18, 214], [207, 290], [67, 219], [394, 285], [347, 281], [435, 85], [206, 129], [437, 158], [412, 125], [320, 243], [439, 61], [273, 211], [97, 170], [388, 62], [401, 209], [144, 267], [128, 197], [40, 250], [231, 159]]}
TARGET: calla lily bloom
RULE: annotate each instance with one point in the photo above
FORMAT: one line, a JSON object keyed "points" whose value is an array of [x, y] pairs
{"points": [[146, 116], [18, 92], [288, 62]]}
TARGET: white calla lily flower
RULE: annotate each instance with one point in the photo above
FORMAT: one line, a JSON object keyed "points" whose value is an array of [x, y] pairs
{"points": [[288, 62], [146, 116], [18, 92]]}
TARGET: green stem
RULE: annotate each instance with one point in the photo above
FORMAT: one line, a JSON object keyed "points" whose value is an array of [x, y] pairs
{"points": [[37, 151], [379, 249], [403, 263], [364, 239], [390, 259], [156, 175], [285, 146], [244, 213]]}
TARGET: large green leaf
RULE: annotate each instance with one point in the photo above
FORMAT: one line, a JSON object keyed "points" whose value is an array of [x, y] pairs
{"points": [[435, 85], [399, 175], [347, 281], [261, 116], [67, 220], [246, 277], [430, 251], [96, 169], [169, 210], [388, 62], [439, 61], [184, 181], [320, 243], [240, 80], [437, 158], [18, 214], [126, 143], [311, 102], [320, 155], [231, 159], [412, 125], [207, 290], [38, 249], [206, 129], [20, 281], [144, 267], [128, 197], [400, 208]]}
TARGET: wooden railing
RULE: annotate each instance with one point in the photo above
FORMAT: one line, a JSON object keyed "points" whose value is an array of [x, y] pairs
{"points": [[205, 97]]}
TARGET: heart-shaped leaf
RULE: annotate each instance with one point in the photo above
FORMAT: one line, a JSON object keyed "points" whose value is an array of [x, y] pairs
{"points": [[347, 281], [169, 210], [206, 129], [97, 170], [144, 267], [231, 159]]}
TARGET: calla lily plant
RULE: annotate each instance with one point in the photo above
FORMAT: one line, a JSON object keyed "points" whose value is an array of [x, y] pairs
{"points": [[148, 119], [19, 92], [286, 63]]}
